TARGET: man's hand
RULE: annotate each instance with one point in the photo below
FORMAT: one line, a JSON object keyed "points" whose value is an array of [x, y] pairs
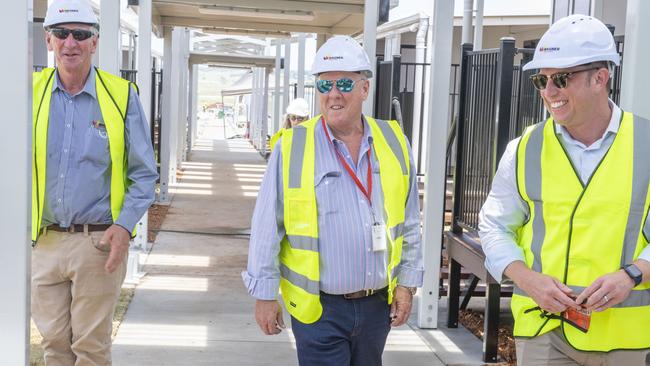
{"points": [[607, 291], [268, 314], [400, 309], [549, 293], [118, 239]]}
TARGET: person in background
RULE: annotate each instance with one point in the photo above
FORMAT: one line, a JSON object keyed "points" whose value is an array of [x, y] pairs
{"points": [[296, 113], [567, 216], [93, 179], [336, 225]]}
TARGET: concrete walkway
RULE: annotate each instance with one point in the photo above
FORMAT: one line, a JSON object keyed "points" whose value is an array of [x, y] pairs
{"points": [[192, 308]]}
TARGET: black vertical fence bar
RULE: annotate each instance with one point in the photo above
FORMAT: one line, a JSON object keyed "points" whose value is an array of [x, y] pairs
{"points": [[504, 99], [460, 137], [395, 80]]}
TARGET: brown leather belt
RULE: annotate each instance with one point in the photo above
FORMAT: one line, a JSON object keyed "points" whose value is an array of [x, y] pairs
{"points": [[363, 293], [78, 228]]}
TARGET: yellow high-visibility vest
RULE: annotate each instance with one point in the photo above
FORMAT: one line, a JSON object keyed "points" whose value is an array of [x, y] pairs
{"points": [[113, 98], [299, 253], [577, 232]]}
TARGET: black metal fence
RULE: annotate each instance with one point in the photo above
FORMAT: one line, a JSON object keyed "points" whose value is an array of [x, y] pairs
{"points": [[130, 75]]}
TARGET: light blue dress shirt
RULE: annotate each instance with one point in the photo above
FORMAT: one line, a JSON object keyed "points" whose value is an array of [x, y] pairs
{"points": [[504, 212], [347, 261], [78, 176]]}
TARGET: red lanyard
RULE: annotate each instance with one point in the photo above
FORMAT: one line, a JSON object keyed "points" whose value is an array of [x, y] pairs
{"points": [[365, 192]]}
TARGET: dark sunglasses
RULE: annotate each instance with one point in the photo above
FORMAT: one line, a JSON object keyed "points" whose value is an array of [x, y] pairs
{"points": [[560, 79], [293, 117], [77, 34], [344, 85]]}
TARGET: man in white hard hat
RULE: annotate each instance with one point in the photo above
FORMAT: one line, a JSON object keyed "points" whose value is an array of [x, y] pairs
{"points": [[336, 226], [567, 217], [93, 179]]}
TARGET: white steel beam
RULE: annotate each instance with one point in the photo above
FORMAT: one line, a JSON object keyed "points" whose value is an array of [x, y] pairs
{"points": [[194, 103], [287, 74], [370, 45], [144, 84], [183, 74], [315, 6], [478, 25], [167, 163], [16, 140], [277, 95], [436, 140], [301, 65], [634, 93], [264, 27], [265, 107], [110, 52]]}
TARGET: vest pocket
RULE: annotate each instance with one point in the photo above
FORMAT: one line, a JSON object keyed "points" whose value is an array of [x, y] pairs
{"points": [[326, 193]]}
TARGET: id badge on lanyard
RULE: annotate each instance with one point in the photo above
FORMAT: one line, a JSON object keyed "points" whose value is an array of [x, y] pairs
{"points": [[378, 236]]}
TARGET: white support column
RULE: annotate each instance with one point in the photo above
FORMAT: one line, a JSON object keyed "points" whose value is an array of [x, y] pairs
{"points": [[388, 45], [183, 96], [277, 113], [144, 84], [265, 106], [371, 10], [424, 149], [634, 94], [252, 112], [16, 140], [261, 116], [434, 185], [194, 103], [287, 74], [478, 25], [420, 54], [110, 52], [168, 128], [468, 7], [301, 65]]}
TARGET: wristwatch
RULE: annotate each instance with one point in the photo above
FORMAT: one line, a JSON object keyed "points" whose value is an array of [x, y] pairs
{"points": [[634, 272], [412, 290]]}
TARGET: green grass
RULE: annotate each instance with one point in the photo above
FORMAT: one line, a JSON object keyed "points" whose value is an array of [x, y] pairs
{"points": [[35, 350]]}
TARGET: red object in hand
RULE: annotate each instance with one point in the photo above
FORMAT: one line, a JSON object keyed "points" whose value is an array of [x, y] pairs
{"points": [[578, 318]]}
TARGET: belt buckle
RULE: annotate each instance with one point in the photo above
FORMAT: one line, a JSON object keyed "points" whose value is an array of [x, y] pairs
{"points": [[369, 292]]}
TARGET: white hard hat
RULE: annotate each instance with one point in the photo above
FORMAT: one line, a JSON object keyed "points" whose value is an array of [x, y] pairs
{"points": [[298, 107], [69, 11], [574, 40], [341, 53]]}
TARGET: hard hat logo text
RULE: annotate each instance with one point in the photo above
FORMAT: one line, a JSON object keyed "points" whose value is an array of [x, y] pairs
{"points": [[549, 49], [327, 58]]}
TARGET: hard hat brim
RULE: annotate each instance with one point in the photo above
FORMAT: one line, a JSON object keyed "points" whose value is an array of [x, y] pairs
{"points": [[561, 63]]}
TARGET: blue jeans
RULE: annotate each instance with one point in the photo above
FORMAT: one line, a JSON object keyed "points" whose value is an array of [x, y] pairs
{"points": [[350, 332]]}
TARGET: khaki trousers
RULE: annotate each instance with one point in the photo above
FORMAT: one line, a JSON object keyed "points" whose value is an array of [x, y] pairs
{"points": [[73, 298], [552, 349]]}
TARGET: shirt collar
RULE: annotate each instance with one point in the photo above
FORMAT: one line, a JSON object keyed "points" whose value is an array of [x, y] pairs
{"points": [[612, 128], [89, 87], [367, 136]]}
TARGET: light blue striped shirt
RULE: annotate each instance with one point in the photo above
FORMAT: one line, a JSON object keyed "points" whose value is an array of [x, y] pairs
{"points": [[78, 176], [347, 261]]}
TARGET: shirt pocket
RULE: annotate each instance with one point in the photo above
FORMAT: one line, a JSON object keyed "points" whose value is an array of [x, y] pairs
{"points": [[95, 146], [328, 193]]}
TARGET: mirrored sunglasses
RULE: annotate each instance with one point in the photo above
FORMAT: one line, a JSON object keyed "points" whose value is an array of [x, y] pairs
{"points": [[560, 79], [344, 85], [77, 34]]}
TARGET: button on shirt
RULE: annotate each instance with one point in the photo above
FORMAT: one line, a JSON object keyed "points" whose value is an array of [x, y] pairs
{"points": [[504, 211], [345, 217], [78, 176]]}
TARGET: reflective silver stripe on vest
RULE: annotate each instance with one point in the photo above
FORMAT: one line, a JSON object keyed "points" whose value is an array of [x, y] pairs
{"points": [[397, 231], [299, 280], [640, 179], [393, 143], [303, 242], [297, 156], [533, 178], [394, 272], [636, 298]]}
